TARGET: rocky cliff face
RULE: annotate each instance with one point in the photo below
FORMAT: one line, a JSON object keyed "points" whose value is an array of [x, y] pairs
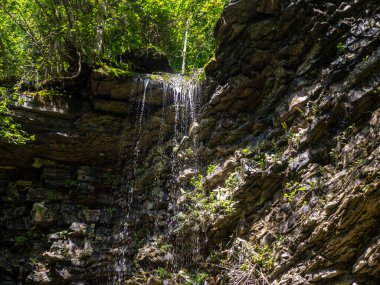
{"points": [[275, 182], [298, 82]]}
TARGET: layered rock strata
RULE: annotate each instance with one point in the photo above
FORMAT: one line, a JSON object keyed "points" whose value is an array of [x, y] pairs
{"points": [[276, 182]]}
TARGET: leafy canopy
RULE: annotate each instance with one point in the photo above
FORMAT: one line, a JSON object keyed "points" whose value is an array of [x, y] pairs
{"points": [[10, 131], [44, 39]]}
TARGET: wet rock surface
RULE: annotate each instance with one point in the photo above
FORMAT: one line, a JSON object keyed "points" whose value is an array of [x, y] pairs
{"points": [[276, 183]]}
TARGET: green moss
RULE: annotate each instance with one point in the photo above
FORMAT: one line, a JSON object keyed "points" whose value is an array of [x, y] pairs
{"points": [[160, 77], [46, 93], [155, 77], [118, 71], [39, 208], [39, 162], [166, 76]]}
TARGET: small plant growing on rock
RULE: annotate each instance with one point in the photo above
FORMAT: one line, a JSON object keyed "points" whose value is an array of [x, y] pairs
{"points": [[293, 138], [261, 160], [164, 246], [211, 169], [247, 263], [365, 188], [23, 239], [205, 206], [189, 151], [247, 150], [139, 171], [263, 257], [296, 187], [70, 183], [288, 133], [333, 154], [197, 182], [111, 211], [65, 251], [365, 58], [340, 46], [62, 234], [232, 181], [162, 272], [107, 178], [196, 279], [302, 113]]}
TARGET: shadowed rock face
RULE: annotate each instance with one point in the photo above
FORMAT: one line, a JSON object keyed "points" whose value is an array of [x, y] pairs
{"points": [[57, 194], [290, 123], [298, 81], [146, 61]]}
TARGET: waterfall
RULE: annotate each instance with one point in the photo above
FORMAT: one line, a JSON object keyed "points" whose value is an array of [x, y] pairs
{"points": [[184, 92], [180, 99]]}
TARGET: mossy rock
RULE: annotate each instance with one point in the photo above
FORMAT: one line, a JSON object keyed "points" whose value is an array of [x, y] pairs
{"points": [[46, 93], [115, 72]]}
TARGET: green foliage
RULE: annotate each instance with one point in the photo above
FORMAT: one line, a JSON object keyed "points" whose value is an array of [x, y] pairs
{"points": [[196, 279], [10, 131], [70, 183], [117, 70], [340, 46], [293, 138], [164, 246], [23, 239], [365, 58], [62, 234], [333, 154], [293, 188], [247, 150], [107, 178], [288, 133], [189, 151], [261, 160], [248, 262], [46, 93], [263, 257], [232, 181], [111, 211], [202, 206], [365, 188], [139, 171], [197, 182], [48, 40], [162, 272], [211, 168], [44, 39]]}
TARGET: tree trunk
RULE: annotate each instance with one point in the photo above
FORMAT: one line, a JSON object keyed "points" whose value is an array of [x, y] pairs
{"points": [[185, 46], [100, 28], [72, 36]]}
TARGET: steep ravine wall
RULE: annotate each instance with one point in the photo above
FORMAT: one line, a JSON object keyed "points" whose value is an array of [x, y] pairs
{"points": [[298, 81], [284, 156]]}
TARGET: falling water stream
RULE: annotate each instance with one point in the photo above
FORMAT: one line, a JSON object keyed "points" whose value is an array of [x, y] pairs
{"points": [[181, 94]]}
